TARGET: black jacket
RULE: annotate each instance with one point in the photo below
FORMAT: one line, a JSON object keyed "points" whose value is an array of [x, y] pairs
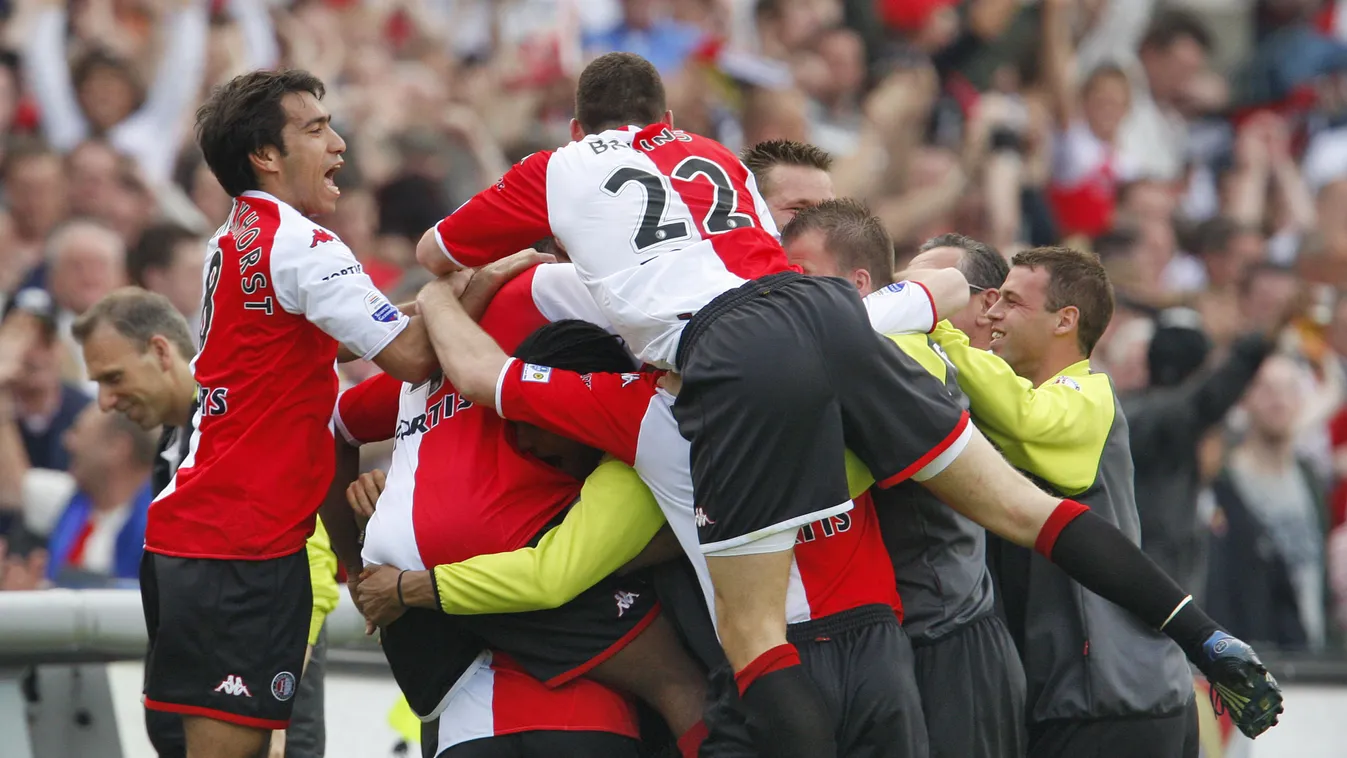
{"points": [[1167, 423]]}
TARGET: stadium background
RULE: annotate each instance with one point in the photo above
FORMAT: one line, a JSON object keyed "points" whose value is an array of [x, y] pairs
{"points": [[1226, 195]]}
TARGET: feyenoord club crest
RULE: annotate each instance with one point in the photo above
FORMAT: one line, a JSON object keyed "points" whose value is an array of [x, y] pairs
{"points": [[283, 686]]}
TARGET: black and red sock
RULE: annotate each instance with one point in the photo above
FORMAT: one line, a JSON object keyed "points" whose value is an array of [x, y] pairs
{"points": [[1099, 556], [785, 713]]}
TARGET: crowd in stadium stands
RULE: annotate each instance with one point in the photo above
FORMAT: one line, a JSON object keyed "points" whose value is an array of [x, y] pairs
{"points": [[1199, 148]]}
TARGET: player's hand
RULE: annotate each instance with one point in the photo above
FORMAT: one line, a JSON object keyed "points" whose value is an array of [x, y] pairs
{"points": [[1241, 683], [487, 280], [377, 595], [363, 493]]}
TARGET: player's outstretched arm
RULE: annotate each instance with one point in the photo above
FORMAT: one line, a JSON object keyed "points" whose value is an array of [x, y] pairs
{"points": [[470, 358], [947, 286], [432, 257], [983, 487]]}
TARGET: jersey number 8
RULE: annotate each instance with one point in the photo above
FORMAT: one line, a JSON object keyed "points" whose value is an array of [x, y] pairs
{"points": [[720, 216]]}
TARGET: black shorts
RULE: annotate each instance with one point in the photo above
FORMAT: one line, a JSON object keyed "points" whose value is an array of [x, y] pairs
{"points": [[560, 644], [227, 638], [429, 651], [972, 692], [862, 662], [1174, 736], [779, 376], [533, 745]]}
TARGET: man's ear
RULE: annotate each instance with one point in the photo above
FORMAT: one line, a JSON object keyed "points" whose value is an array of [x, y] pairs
{"points": [[668, 118], [266, 160], [861, 278], [577, 131], [1068, 318], [986, 299], [163, 350]]}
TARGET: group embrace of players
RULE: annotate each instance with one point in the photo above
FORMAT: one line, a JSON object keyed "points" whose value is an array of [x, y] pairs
{"points": [[672, 495]]}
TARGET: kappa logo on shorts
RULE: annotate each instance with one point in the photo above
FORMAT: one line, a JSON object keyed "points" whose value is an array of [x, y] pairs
{"points": [[625, 600], [283, 686], [233, 685], [536, 373], [700, 517]]}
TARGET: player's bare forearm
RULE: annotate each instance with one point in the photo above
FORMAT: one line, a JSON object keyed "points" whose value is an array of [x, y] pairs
{"points": [[409, 356], [470, 358], [431, 257], [948, 288], [337, 514]]}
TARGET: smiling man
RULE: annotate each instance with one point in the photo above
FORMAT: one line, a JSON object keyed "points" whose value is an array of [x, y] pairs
{"points": [[138, 349], [1052, 417], [282, 295]]}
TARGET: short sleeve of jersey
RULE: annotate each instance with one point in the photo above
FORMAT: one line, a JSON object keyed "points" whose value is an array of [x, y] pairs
{"points": [[368, 412], [901, 308], [558, 293], [604, 411], [324, 283], [499, 220]]}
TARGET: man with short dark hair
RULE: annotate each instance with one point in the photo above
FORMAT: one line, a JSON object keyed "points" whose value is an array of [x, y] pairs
{"points": [[677, 249], [284, 297], [1035, 396], [791, 176], [965, 659], [167, 259], [139, 351]]}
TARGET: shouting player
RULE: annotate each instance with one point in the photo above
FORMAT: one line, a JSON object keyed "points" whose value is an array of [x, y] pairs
{"points": [[778, 373], [225, 577]]}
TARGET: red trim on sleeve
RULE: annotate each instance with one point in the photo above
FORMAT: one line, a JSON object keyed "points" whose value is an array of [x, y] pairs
{"points": [[931, 455], [780, 657], [612, 650], [501, 219], [1065, 512], [935, 317], [211, 713]]}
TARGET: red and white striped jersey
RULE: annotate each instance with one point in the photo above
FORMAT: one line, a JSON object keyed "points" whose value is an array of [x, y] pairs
{"points": [[497, 697], [457, 487], [840, 562], [657, 221], [280, 293]]}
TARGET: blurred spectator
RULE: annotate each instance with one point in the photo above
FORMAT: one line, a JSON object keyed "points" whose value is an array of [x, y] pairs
{"points": [[85, 261], [648, 30], [1168, 421], [1266, 576], [35, 195], [103, 95], [1173, 57], [44, 406], [101, 530], [169, 260]]}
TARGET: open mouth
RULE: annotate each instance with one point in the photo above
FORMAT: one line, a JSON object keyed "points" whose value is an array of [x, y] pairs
{"points": [[330, 178], [997, 334]]}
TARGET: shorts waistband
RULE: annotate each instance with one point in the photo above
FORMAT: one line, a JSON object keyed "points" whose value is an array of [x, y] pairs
{"points": [[950, 633], [840, 622], [724, 303]]}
